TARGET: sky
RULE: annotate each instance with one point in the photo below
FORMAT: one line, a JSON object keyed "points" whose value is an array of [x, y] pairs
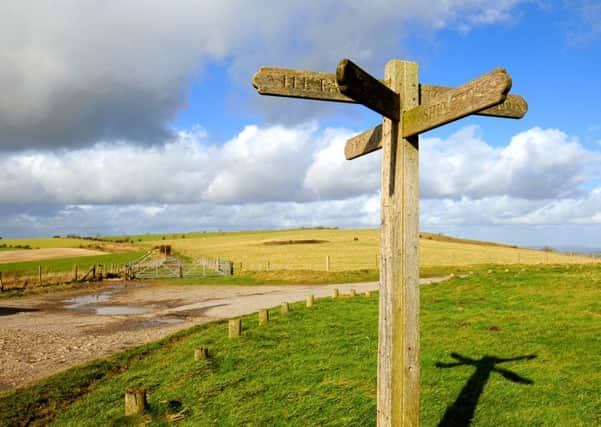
{"points": [[138, 116]]}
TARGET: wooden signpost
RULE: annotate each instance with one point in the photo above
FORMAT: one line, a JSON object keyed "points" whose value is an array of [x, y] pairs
{"points": [[408, 109]]}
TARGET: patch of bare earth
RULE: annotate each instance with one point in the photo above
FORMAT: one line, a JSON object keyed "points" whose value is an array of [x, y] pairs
{"points": [[47, 333]]}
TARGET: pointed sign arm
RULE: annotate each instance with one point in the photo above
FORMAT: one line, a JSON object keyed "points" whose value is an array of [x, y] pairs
{"points": [[367, 90], [514, 106], [298, 84], [486, 91]]}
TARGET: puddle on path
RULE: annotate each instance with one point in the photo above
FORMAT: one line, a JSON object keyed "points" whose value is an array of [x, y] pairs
{"points": [[80, 301], [108, 310], [91, 302]]}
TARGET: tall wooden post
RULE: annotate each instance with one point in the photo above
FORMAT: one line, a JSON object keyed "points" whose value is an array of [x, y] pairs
{"points": [[409, 109], [398, 347]]}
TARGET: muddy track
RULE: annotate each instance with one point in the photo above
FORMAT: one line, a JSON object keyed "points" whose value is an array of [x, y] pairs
{"points": [[45, 334]]}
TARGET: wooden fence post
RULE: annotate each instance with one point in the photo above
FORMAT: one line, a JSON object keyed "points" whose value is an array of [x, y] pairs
{"points": [[310, 300], [284, 308], [263, 317], [1, 284], [201, 353], [39, 275], [335, 293], [353, 292], [235, 328], [135, 401], [327, 263]]}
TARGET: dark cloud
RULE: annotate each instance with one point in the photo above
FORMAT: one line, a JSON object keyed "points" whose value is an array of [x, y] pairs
{"points": [[75, 73]]}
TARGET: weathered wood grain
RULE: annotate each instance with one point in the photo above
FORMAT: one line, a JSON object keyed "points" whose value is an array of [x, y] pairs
{"points": [[361, 86], [234, 328], [135, 401], [398, 334], [298, 84], [364, 143], [263, 317], [514, 106], [485, 91]]}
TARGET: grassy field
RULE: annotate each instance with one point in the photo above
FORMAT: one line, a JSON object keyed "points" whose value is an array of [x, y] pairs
{"points": [[21, 275], [66, 264], [347, 249], [504, 348]]}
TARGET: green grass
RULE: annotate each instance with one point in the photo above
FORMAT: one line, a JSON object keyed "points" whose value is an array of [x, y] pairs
{"points": [[66, 264], [317, 366]]}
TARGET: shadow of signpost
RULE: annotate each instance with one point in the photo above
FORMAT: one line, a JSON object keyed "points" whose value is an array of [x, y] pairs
{"points": [[461, 412]]}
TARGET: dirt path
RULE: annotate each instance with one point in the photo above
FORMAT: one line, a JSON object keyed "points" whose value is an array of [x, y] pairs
{"points": [[45, 334]]}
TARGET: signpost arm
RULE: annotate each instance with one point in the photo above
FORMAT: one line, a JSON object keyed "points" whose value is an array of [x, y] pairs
{"points": [[398, 346]]}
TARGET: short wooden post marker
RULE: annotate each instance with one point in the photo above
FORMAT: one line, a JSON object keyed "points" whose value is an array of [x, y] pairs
{"points": [[235, 328], [263, 316], [284, 308], [135, 401], [353, 292], [335, 293], [201, 353], [310, 300]]}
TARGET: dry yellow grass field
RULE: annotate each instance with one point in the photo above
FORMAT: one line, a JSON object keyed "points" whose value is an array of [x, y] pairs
{"points": [[48, 253], [348, 250]]}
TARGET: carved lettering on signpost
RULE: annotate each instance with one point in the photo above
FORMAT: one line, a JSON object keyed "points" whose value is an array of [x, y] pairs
{"points": [[483, 92], [297, 84]]}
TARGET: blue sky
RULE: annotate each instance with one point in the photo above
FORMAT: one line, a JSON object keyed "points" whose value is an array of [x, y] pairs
{"points": [[132, 117]]}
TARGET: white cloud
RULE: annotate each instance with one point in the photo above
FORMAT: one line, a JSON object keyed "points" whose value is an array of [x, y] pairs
{"points": [[173, 218], [257, 165], [301, 163], [537, 164], [331, 176], [261, 165]]}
